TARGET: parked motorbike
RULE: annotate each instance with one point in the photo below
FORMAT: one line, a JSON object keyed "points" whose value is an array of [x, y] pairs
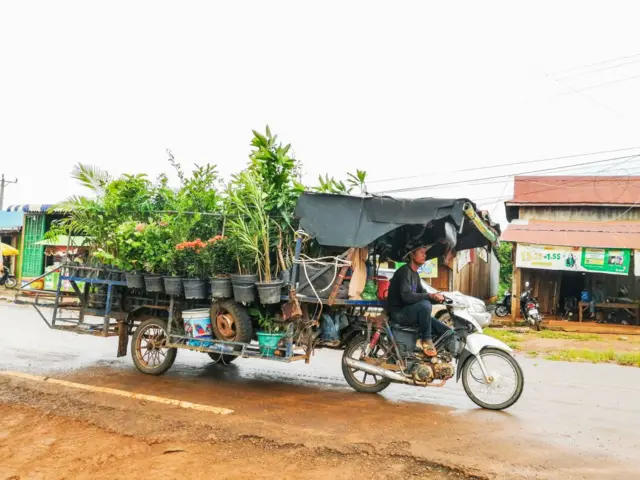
{"points": [[529, 307], [8, 279], [503, 307], [387, 354]]}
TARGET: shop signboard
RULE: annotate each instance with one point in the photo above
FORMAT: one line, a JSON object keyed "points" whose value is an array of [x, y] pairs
{"points": [[613, 261], [429, 269], [464, 259]]}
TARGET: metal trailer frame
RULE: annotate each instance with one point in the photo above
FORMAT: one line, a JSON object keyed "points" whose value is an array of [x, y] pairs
{"points": [[126, 318]]}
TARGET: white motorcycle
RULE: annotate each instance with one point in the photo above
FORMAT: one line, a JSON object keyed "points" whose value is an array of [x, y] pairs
{"points": [[386, 354]]}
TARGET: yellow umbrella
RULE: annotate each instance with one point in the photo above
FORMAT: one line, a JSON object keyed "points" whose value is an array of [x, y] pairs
{"points": [[7, 250]]}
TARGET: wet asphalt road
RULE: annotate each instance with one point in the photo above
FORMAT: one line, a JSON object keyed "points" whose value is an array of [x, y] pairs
{"points": [[589, 409]]}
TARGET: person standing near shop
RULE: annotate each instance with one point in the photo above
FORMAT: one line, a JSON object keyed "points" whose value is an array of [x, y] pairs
{"points": [[596, 297]]}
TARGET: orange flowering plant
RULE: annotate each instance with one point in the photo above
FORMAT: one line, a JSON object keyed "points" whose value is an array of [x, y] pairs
{"points": [[200, 259], [190, 259]]}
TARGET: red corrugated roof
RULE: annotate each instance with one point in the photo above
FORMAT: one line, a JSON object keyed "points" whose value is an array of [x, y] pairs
{"points": [[575, 234], [576, 191]]}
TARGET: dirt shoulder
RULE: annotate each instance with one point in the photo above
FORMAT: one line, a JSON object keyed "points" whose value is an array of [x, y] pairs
{"points": [[47, 431], [566, 346], [49, 446], [52, 434]]}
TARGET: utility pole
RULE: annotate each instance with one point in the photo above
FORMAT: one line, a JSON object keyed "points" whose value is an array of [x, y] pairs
{"points": [[3, 183]]}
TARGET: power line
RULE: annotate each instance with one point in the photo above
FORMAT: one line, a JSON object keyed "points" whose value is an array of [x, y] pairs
{"points": [[603, 84], [602, 62], [588, 97], [589, 72], [526, 162], [439, 185]]}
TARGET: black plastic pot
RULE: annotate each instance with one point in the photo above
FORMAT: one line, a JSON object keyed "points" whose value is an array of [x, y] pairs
{"points": [[221, 287], [194, 288], [153, 283], [244, 287], [244, 279], [113, 275], [244, 293], [172, 286], [135, 280], [270, 292]]}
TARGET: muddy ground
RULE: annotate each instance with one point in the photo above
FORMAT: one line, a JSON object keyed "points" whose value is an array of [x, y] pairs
{"points": [[298, 421]]}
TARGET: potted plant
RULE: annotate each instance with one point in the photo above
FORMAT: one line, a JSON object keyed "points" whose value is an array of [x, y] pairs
{"points": [[129, 248], [191, 261], [251, 226], [156, 253], [270, 335], [222, 260]]}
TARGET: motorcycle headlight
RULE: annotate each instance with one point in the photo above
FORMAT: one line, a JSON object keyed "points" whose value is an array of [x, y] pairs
{"points": [[478, 307]]}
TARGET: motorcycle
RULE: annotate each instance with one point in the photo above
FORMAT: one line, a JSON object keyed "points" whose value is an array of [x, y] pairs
{"points": [[529, 307], [8, 280], [503, 308], [387, 353]]}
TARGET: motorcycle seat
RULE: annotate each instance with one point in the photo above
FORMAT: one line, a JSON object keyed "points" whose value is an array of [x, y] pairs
{"points": [[399, 322], [404, 328]]}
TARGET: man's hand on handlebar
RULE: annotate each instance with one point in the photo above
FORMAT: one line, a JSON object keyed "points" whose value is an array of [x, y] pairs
{"points": [[438, 297]]}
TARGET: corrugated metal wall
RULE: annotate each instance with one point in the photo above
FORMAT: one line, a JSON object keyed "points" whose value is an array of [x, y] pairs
{"points": [[577, 214]]}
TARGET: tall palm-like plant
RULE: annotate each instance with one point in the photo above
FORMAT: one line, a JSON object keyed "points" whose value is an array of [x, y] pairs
{"points": [[249, 222]]}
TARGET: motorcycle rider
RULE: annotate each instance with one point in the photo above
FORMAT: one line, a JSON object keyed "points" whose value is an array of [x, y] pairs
{"points": [[409, 303]]}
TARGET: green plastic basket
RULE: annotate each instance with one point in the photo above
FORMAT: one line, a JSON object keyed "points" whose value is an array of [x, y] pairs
{"points": [[268, 342]]}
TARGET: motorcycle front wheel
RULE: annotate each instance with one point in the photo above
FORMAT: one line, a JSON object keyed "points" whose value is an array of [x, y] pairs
{"points": [[11, 283], [506, 379], [502, 311]]}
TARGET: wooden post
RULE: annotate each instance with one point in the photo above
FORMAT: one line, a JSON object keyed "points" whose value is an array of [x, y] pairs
{"points": [[340, 279], [515, 291]]}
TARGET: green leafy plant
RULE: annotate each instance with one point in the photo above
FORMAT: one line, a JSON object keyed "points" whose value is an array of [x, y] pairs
{"points": [[267, 323], [157, 247], [221, 252], [329, 184]]}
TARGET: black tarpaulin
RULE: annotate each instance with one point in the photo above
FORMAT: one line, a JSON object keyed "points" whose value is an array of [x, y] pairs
{"points": [[394, 226]]}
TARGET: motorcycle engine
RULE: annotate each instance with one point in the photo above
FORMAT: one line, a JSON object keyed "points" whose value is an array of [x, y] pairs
{"points": [[443, 371], [422, 373]]}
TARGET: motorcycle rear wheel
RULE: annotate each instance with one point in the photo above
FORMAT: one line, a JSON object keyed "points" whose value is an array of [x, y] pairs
{"points": [[501, 311], [354, 350]]}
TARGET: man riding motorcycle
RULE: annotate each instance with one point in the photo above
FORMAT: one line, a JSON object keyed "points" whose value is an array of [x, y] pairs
{"points": [[409, 304]]}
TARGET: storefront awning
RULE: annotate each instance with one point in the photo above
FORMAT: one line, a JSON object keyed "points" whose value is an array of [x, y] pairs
{"points": [[575, 234]]}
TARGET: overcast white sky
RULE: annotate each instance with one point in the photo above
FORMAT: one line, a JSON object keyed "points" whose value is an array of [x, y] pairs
{"points": [[394, 88]]}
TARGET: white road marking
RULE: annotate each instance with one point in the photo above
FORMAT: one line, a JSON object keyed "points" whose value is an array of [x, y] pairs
{"points": [[121, 393]]}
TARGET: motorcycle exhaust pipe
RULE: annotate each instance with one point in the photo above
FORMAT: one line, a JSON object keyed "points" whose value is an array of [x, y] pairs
{"points": [[380, 372]]}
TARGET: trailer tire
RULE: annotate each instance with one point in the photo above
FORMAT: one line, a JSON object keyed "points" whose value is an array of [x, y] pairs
{"points": [[147, 350], [231, 322], [221, 358]]}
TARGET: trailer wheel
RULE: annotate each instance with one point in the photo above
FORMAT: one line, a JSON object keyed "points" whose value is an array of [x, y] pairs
{"points": [[231, 322], [221, 358], [148, 347]]}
